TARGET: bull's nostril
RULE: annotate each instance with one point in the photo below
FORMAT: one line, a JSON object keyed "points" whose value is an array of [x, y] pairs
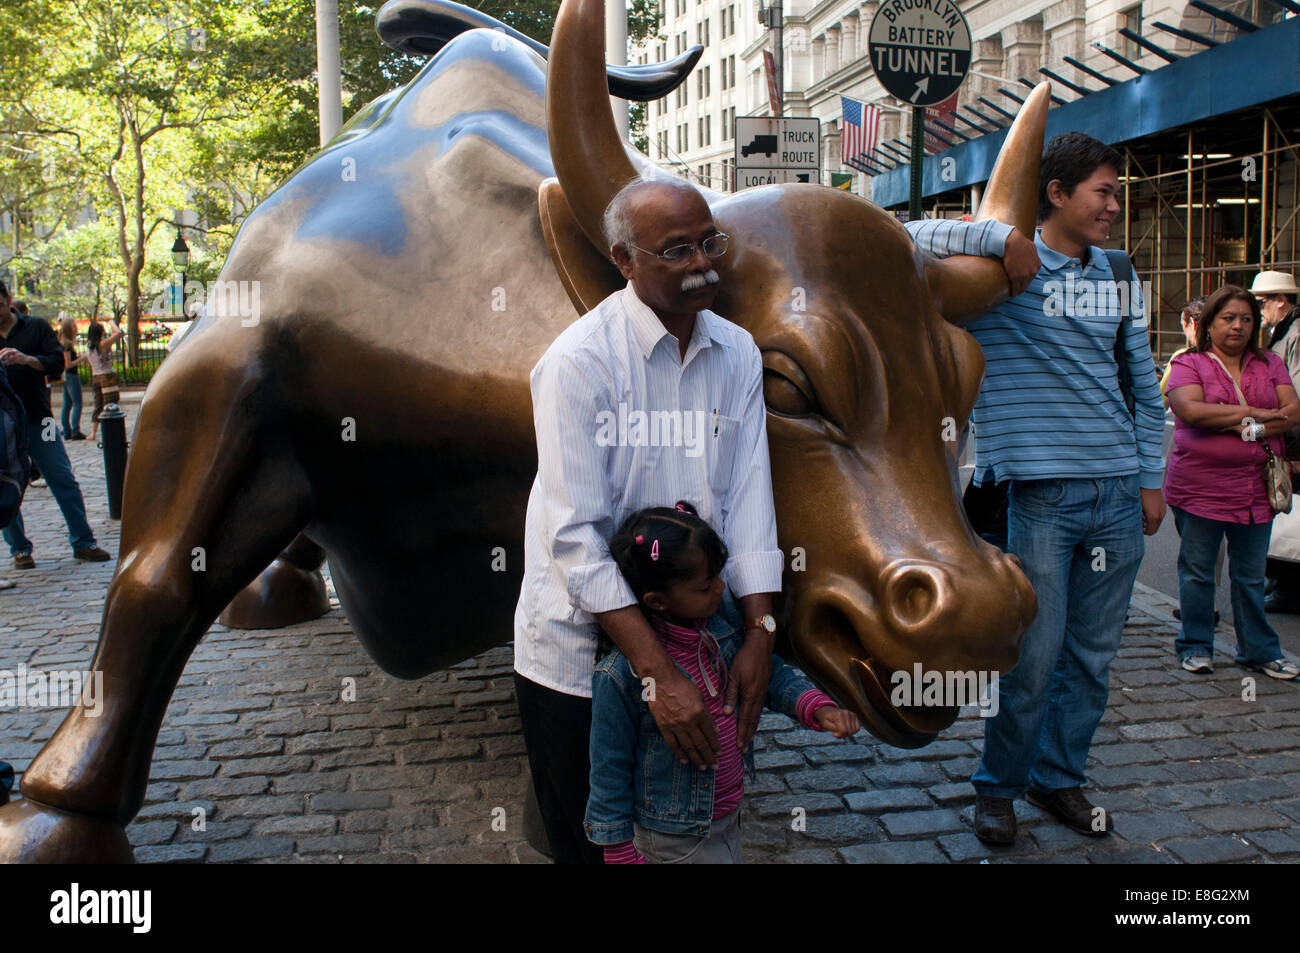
{"points": [[915, 594], [916, 604]]}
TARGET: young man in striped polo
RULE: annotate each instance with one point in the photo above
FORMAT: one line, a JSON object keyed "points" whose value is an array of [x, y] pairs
{"points": [[1085, 485]]}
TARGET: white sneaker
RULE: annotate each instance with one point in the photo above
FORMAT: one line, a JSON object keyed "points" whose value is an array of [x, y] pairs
{"points": [[1278, 668], [6, 584], [39, 481], [1198, 663]]}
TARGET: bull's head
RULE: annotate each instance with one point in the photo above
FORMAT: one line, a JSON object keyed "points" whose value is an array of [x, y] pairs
{"points": [[865, 376]]}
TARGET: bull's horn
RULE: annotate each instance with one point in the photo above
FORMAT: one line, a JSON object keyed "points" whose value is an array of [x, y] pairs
{"points": [[590, 160], [423, 27], [965, 287]]}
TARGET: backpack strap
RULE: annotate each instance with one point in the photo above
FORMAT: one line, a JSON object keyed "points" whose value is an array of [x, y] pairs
{"points": [[1121, 268]]}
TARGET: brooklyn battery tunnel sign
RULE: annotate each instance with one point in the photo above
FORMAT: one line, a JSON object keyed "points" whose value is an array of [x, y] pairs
{"points": [[920, 49]]}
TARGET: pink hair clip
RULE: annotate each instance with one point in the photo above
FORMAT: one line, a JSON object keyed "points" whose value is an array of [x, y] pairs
{"points": [[640, 540], [654, 550]]}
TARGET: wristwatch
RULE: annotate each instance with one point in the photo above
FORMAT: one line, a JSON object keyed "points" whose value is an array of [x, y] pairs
{"points": [[765, 622]]}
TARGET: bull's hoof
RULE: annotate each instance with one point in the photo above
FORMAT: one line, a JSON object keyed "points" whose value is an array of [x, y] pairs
{"points": [[31, 833], [282, 595]]}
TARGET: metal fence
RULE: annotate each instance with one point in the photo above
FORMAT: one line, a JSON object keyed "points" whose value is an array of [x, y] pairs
{"points": [[150, 356]]}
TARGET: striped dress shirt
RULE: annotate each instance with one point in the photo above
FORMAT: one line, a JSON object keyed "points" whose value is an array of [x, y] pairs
{"points": [[624, 422], [1050, 406], [942, 237]]}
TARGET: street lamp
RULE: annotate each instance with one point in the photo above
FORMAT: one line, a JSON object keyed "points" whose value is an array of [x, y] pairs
{"points": [[181, 256]]}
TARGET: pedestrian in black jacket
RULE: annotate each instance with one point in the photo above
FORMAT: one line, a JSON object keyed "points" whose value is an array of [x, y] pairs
{"points": [[30, 352]]}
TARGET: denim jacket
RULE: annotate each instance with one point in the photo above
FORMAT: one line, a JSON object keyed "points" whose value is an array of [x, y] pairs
{"points": [[634, 774]]}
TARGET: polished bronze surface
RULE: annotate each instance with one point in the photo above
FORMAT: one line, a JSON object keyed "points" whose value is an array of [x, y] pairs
{"points": [[366, 386], [289, 591]]}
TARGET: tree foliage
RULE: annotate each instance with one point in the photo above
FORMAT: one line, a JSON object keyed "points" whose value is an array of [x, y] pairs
{"points": [[124, 121]]}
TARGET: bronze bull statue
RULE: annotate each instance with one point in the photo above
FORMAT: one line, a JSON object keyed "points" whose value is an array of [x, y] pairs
{"points": [[406, 278]]}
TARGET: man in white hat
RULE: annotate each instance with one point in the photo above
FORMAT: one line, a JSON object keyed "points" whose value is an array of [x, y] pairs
{"points": [[1276, 292]]}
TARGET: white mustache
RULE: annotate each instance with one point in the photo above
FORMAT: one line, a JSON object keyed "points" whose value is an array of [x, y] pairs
{"points": [[691, 282]]}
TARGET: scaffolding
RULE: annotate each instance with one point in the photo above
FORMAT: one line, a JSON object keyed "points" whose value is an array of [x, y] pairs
{"points": [[1211, 205]]}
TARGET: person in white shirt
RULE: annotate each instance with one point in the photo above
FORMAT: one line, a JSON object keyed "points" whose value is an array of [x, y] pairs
{"points": [[647, 399]]}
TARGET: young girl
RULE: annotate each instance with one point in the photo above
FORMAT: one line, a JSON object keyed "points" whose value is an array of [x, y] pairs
{"points": [[99, 350], [645, 805]]}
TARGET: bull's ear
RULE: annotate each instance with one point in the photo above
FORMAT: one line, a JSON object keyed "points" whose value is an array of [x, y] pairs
{"points": [[588, 276]]}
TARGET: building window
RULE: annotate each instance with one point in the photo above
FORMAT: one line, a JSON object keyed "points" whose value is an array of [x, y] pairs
{"points": [[1131, 18]]}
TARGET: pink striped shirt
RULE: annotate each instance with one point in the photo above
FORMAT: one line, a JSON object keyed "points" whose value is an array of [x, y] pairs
{"points": [[684, 647]]}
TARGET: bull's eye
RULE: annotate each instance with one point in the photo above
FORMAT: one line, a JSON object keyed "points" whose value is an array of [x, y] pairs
{"points": [[783, 397], [786, 389]]}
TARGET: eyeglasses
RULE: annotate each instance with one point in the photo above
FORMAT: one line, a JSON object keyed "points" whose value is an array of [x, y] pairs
{"points": [[715, 246]]}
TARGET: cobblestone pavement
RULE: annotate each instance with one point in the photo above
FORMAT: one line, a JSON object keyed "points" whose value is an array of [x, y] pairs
{"points": [[258, 746]]}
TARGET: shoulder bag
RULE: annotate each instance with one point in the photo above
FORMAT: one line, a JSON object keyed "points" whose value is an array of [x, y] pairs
{"points": [[1277, 473]]}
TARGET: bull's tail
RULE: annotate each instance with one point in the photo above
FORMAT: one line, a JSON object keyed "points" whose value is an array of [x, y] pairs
{"points": [[423, 27]]}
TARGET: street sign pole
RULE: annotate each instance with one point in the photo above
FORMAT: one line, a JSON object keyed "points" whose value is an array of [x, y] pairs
{"points": [[914, 169], [778, 54]]}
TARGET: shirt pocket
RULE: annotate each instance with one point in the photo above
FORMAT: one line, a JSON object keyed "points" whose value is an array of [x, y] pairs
{"points": [[722, 452]]}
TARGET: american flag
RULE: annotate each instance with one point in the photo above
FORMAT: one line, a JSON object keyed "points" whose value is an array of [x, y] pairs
{"points": [[858, 137]]}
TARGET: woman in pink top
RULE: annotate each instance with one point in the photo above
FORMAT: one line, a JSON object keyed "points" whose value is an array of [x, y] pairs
{"points": [[1230, 397]]}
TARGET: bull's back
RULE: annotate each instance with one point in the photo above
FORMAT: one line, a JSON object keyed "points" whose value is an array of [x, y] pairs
{"points": [[416, 230], [406, 292]]}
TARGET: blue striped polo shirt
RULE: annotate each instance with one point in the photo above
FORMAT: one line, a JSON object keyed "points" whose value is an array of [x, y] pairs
{"points": [[1050, 406]]}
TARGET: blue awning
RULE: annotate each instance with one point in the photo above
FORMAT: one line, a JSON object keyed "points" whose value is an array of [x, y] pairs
{"points": [[1252, 69]]}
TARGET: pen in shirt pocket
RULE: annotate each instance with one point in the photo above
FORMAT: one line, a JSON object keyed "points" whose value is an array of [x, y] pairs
{"points": [[715, 421]]}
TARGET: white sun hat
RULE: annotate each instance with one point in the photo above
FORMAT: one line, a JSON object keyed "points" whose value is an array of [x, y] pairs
{"points": [[1274, 283]]}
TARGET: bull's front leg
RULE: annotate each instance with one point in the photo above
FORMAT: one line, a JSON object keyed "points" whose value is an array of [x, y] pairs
{"points": [[205, 509]]}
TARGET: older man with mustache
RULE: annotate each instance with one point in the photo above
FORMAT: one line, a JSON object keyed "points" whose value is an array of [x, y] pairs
{"points": [[657, 350]]}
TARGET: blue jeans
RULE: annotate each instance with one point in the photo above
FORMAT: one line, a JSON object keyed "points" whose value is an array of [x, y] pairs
{"points": [[71, 403], [52, 458], [1081, 545], [1247, 553]]}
